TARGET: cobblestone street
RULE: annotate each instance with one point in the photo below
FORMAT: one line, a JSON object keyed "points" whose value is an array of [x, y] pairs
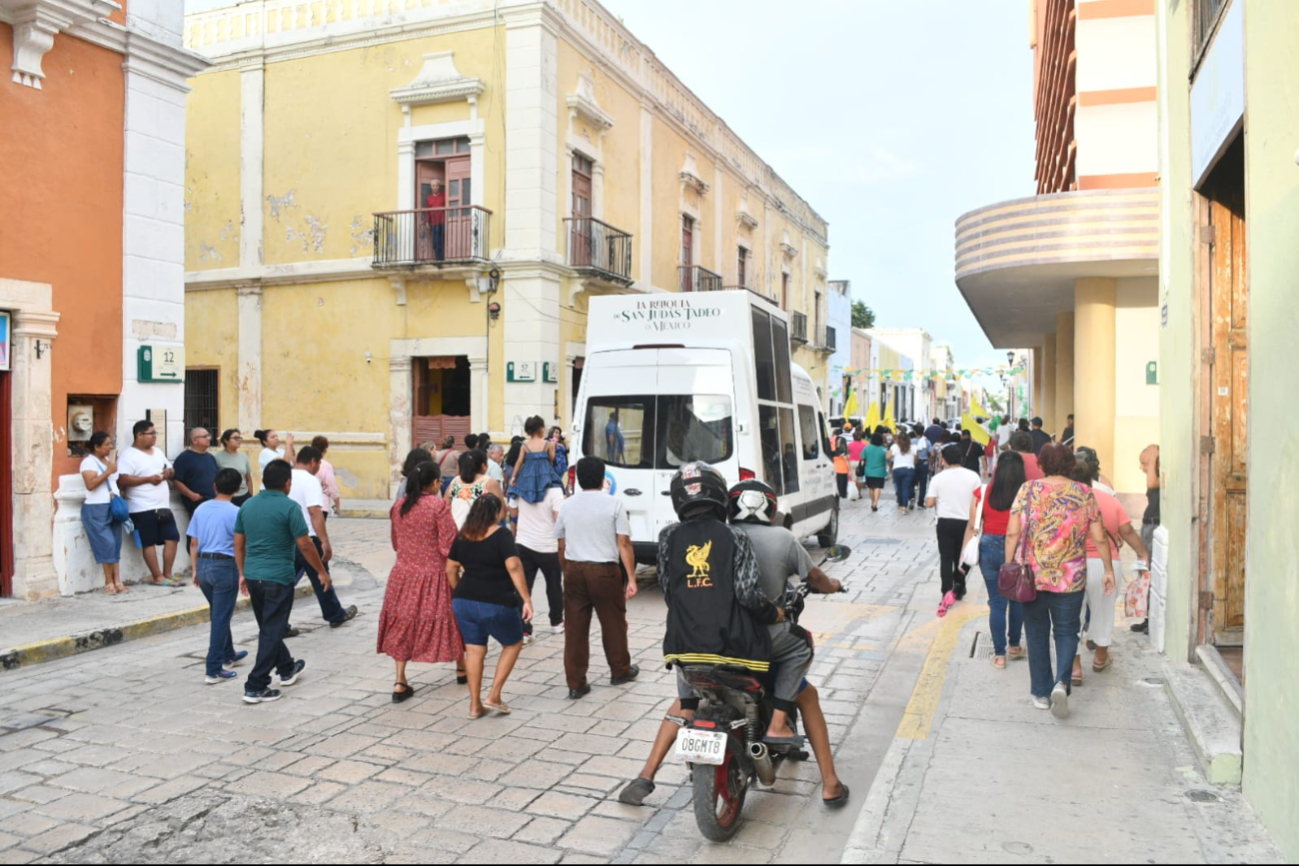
{"points": [[123, 754]]}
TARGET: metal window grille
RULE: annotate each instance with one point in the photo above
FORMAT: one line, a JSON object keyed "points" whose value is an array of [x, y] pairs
{"points": [[201, 401]]}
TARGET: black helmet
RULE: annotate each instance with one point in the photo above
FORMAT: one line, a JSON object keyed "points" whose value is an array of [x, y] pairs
{"points": [[696, 488], [752, 501]]}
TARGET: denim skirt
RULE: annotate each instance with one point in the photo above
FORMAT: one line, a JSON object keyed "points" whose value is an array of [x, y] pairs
{"points": [[105, 535]]}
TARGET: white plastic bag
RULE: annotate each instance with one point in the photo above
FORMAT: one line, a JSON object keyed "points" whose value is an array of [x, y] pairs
{"points": [[853, 493], [970, 553]]}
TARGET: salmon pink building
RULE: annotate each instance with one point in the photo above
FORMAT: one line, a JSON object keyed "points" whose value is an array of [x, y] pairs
{"points": [[92, 165]]}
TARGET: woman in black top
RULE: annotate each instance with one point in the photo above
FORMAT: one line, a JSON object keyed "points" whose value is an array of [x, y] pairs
{"points": [[487, 577]]}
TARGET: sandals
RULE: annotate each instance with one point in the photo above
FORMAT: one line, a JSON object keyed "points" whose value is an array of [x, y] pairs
{"points": [[121, 589], [110, 589], [1016, 653], [172, 582], [948, 600], [501, 708], [636, 792], [1101, 667], [406, 691], [1076, 680], [462, 678], [999, 662], [837, 802], [475, 717]]}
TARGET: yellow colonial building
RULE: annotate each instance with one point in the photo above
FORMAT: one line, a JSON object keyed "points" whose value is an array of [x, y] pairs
{"points": [[397, 211]]}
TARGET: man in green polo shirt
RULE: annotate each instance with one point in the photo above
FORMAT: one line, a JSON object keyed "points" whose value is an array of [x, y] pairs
{"points": [[270, 527]]}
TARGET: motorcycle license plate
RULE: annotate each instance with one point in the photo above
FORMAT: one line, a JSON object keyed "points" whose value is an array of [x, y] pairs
{"points": [[700, 747]]}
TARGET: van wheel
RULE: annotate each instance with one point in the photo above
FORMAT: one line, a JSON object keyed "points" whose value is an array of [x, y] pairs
{"points": [[829, 536]]}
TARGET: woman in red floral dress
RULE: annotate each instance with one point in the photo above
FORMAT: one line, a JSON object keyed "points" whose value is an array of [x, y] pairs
{"points": [[417, 623]]}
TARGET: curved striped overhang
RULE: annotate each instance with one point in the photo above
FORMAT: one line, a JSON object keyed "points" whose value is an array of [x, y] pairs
{"points": [[1016, 261]]}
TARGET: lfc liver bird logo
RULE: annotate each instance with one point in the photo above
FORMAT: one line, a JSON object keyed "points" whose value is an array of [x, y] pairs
{"points": [[697, 557]]}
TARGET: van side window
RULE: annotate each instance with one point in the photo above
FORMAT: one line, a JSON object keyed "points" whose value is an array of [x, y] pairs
{"points": [[769, 422], [780, 348], [807, 427], [694, 427], [788, 449], [764, 362]]}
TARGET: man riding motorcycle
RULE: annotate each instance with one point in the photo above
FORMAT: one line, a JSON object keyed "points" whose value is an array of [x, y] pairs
{"points": [[717, 608]]}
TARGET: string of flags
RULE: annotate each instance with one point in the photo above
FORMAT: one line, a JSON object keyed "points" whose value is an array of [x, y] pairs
{"points": [[935, 375]]}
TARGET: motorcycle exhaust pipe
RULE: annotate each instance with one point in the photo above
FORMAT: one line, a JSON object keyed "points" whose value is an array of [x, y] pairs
{"points": [[762, 764]]}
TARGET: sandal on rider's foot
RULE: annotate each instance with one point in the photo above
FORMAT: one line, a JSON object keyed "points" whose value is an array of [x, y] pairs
{"points": [[794, 742], [636, 792], [837, 802]]}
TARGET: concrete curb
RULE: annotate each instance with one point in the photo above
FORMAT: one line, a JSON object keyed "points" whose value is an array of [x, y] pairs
{"points": [[70, 645]]}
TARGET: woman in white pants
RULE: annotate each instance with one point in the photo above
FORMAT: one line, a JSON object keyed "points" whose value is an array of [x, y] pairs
{"points": [[1099, 624]]}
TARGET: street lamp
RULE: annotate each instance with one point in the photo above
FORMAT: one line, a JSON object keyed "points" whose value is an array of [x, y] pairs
{"points": [[1010, 357]]}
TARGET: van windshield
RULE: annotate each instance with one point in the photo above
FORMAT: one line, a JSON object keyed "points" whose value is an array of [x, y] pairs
{"points": [[659, 431]]}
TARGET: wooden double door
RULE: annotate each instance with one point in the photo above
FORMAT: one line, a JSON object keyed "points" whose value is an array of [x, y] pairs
{"points": [[446, 235]]}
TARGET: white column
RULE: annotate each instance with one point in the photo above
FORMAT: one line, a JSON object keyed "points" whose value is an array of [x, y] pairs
{"points": [[532, 138], [153, 233], [399, 415], [250, 358], [722, 261], [33, 449], [479, 388], [252, 83]]}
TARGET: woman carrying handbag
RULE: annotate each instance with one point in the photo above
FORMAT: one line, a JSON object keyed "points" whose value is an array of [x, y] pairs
{"points": [[990, 512], [1053, 518]]}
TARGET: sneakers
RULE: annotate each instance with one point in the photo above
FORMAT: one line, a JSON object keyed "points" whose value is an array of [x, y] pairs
{"points": [[222, 677], [527, 640], [262, 697], [557, 629], [1060, 701], [631, 675], [239, 656], [351, 615], [1041, 703], [297, 672]]}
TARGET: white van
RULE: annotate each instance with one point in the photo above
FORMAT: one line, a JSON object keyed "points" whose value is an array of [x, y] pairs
{"points": [[701, 376]]}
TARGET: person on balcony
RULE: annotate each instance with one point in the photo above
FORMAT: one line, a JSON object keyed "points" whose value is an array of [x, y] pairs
{"points": [[436, 217]]}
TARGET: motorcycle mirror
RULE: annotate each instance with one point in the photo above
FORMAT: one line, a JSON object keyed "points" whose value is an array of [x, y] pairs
{"points": [[838, 553]]}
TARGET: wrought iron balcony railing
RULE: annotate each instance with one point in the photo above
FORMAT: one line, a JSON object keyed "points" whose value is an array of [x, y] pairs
{"points": [[431, 236], [599, 249], [695, 278]]}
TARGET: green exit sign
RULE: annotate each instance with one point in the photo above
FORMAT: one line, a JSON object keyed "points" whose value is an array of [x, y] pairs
{"points": [[160, 363]]}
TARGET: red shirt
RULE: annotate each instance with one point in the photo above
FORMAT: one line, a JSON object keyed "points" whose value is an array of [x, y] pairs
{"points": [[436, 200], [994, 522], [1032, 472]]}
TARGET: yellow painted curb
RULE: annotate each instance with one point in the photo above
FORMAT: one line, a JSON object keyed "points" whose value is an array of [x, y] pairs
{"points": [[70, 645], [919, 714]]}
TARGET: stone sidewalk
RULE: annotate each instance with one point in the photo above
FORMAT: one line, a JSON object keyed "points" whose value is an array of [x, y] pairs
{"points": [[975, 773], [124, 754]]}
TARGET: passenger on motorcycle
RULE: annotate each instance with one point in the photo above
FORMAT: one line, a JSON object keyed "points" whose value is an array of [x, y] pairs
{"points": [[717, 616]]}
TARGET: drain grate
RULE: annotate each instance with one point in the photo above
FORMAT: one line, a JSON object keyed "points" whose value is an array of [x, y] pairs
{"points": [[1204, 796], [981, 648]]}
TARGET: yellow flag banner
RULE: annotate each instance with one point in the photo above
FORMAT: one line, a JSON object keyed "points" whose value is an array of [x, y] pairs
{"points": [[978, 411], [873, 416], [851, 408], [888, 421], [977, 433]]}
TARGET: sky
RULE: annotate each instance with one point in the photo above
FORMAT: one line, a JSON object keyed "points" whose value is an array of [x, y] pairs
{"points": [[891, 119]]}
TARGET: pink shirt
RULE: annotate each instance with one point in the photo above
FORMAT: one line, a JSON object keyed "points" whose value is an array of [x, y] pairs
{"points": [[329, 485], [855, 448], [1114, 517]]}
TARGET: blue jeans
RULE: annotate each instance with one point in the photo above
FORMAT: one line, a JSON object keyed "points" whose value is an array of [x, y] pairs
{"points": [[219, 580], [904, 481], [330, 607], [1061, 611], [992, 553]]}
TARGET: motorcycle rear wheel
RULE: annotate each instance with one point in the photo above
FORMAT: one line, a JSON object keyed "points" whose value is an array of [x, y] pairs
{"points": [[719, 794]]}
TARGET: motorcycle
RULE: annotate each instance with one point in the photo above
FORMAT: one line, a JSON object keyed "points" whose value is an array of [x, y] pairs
{"points": [[723, 744]]}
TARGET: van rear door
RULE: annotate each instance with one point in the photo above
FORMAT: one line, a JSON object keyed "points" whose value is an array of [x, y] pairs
{"points": [[618, 427]]}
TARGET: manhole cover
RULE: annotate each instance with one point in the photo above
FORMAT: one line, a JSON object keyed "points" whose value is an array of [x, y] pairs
{"points": [[1203, 796], [982, 646]]}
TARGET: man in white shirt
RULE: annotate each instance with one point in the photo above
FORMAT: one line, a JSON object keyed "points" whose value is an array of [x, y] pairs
{"points": [[305, 490], [951, 493], [495, 454], [534, 535], [144, 473], [599, 566]]}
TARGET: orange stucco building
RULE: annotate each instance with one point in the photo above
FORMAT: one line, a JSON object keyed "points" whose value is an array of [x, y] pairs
{"points": [[91, 159]]}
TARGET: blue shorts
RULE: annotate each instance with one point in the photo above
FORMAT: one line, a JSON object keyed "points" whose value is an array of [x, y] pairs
{"points": [[479, 620]]}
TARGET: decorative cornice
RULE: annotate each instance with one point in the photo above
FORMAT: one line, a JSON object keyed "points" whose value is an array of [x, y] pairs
{"points": [[439, 81], [745, 218], [690, 177], [36, 23]]}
